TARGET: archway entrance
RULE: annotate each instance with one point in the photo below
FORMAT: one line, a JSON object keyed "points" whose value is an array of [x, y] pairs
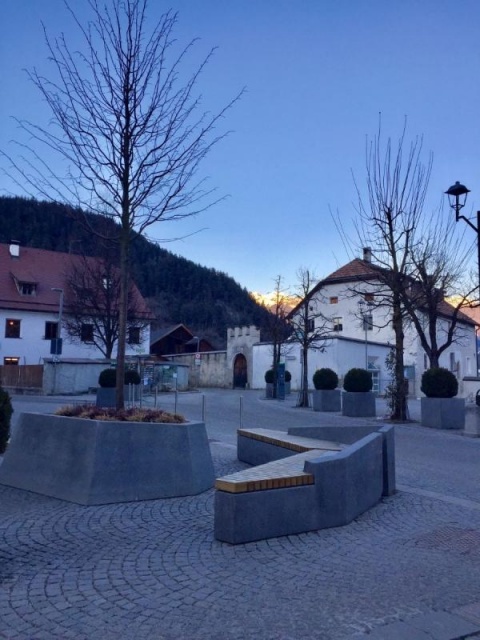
{"points": [[240, 376]]}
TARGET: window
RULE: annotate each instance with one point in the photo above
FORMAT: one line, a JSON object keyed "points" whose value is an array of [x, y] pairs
{"points": [[369, 297], [368, 322], [134, 335], [337, 324], [27, 288], [51, 330], [10, 360], [334, 300], [310, 325], [12, 328], [86, 333]]}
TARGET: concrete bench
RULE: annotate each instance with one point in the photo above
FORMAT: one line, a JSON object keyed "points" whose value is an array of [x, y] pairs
{"points": [[302, 483]]}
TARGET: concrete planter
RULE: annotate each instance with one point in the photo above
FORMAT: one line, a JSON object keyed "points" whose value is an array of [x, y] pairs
{"points": [[106, 397], [327, 400], [443, 413], [358, 404], [269, 389], [99, 462]]}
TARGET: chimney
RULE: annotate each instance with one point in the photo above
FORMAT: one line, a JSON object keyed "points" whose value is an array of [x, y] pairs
{"points": [[367, 254], [14, 249]]}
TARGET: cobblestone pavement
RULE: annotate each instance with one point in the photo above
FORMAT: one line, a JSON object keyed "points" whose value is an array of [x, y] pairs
{"points": [[152, 570]]}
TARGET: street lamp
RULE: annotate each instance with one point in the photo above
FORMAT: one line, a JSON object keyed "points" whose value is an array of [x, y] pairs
{"points": [[457, 197], [364, 308], [58, 342]]}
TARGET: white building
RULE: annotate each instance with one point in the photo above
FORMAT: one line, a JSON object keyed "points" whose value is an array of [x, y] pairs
{"points": [[34, 293], [362, 334]]}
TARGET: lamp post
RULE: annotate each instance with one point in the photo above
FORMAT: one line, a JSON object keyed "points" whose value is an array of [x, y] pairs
{"points": [[457, 197], [58, 343], [364, 308]]}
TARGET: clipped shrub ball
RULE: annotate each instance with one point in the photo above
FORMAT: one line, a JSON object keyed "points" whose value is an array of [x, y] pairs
{"points": [[132, 376], [269, 376], [288, 376], [439, 383], [358, 380], [108, 378], [6, 411], [325, 379]]}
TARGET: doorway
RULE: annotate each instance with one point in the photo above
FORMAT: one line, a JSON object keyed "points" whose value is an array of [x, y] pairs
{"points": [[240, 376]]}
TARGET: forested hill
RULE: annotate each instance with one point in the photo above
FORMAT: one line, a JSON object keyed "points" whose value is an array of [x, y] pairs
{"points": [[178, 290]]}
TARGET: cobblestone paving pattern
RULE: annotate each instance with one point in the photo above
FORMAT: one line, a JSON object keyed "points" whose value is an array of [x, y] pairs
{"points": [[153, 570]]}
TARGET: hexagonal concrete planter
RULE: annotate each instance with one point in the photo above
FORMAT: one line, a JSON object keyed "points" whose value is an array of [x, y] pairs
{"points": [[327, 400], [358, 404], [443, 413], [99, 462]]}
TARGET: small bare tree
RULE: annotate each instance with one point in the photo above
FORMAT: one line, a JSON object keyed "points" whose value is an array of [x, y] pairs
{"points": [[129, 132], [277, 327], [311, 329], [93, 288], [439, 270]]}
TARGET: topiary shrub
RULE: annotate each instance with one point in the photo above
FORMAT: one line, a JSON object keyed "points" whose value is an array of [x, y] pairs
{"points": [[6, 411], [439, 383], [108, 378], [269, 376], [325, 379], [288, 376], [132, 376], [357, 380]]}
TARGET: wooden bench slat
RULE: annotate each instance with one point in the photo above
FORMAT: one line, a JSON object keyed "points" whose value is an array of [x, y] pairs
{"points": [[287, 472], [287, 441]]}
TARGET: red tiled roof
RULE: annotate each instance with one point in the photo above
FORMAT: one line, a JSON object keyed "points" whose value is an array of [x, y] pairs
{"points": [[356, 269], [48, 270]]}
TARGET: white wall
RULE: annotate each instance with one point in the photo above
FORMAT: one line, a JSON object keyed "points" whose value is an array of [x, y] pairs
{"points": [[32, 348]]}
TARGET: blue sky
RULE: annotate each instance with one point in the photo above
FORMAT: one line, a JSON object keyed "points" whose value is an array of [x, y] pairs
{"points": [[317, 73]]}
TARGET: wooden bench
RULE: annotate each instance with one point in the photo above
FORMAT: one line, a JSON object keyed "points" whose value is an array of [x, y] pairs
{"points": [[300, 483], [278, 473]]}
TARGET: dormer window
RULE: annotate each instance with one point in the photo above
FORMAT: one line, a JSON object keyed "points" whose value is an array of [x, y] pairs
{"points": [[27, 288]]}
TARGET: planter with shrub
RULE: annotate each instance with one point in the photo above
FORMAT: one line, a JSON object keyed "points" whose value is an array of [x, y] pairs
{"points": [[107, 380], [326, 396], [93, 456], [440, 408], [358, 399], [269, 376], [288, 382], [6, 411]]}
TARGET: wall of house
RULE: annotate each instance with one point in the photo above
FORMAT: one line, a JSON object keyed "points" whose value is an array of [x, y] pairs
{"points": [[32, 347], [339, 355]]}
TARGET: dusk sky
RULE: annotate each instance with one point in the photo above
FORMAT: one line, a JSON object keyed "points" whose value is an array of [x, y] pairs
{"points": [[317, 73]]}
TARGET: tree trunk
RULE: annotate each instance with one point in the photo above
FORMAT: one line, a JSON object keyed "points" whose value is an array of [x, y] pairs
{"points": [[304, 400], [399, 397]]}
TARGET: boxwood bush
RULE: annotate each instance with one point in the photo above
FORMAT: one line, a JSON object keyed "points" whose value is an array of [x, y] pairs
{"points": [[357, 380], [108, 377], [439, 383], [6, 411], [269, 376], [325, 379]]}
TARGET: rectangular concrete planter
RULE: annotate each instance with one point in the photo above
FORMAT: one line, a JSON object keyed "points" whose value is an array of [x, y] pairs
{"points": [[327, 400], [443, 413], [358, 404], [99, 462]]}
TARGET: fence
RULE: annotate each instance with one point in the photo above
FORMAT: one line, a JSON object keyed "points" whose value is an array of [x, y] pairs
{"points": [[28, 376]]}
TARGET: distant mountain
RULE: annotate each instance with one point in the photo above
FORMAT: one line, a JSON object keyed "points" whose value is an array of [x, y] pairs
{"points": [[178, 290]]}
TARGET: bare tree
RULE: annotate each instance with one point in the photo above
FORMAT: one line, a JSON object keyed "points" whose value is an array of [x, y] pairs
{"points": [[277, 327], [389, 217], [310, 328], [129, 131], [439, 262], [93, 293]]}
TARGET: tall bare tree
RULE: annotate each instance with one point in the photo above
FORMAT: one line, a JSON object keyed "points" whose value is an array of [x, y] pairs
{"points": [[130, 132], [310, 328], [389, 217], [93, 294]]}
